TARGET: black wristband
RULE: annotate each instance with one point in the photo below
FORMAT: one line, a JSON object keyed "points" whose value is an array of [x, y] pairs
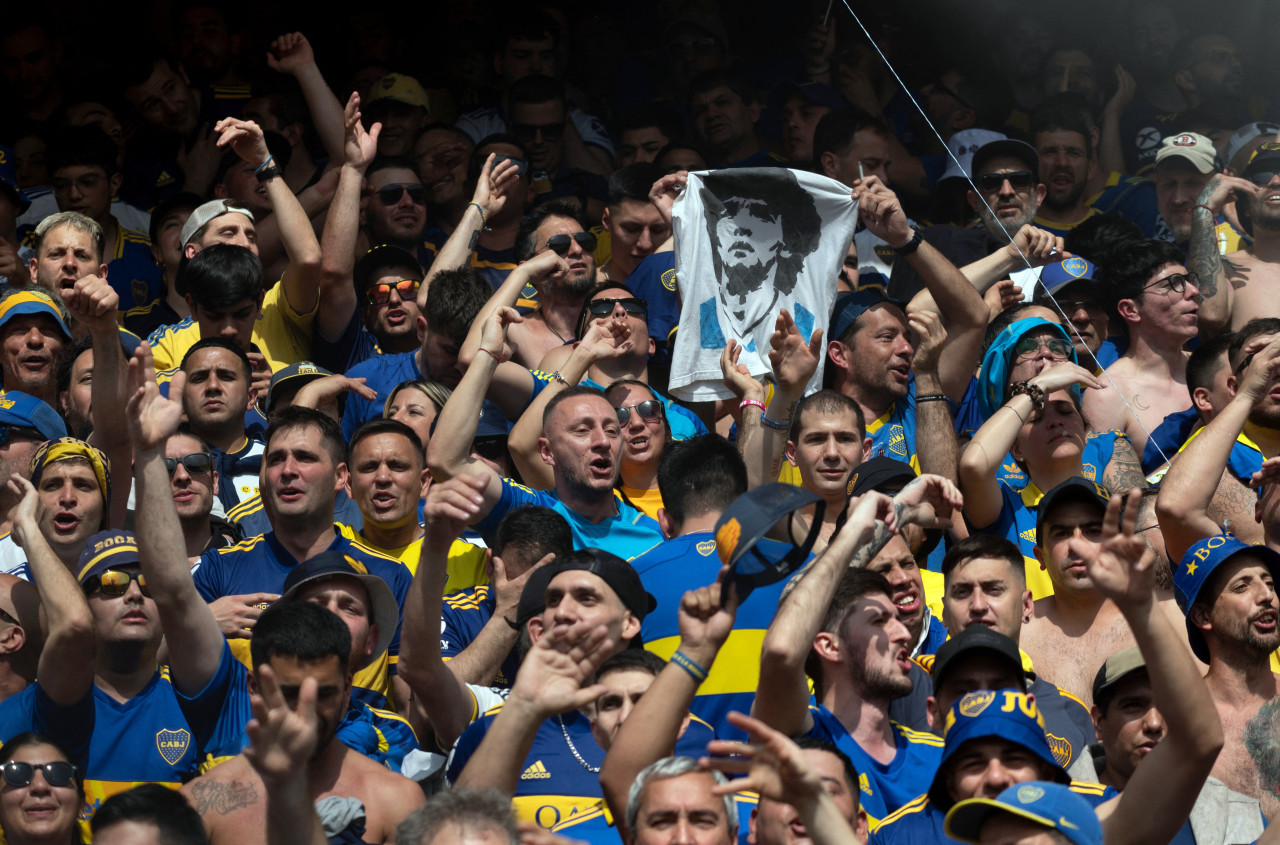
{"points": [[931, 397], [911, 245], [266, 174]]}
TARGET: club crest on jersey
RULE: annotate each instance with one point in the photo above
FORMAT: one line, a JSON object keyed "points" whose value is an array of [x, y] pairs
{"points": [[706, 547], [139, 288], [172, 745], [885, 253], [669, 280], [1060, 747], [897, 441]]}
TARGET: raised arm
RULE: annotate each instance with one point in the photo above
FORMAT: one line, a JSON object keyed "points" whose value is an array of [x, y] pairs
{"points": [[1030, 247], [481, 660], [541, 265], [1183, 505], [65, 671], [1110, 143], [492, 191], [338, 299], [934, 425], [652, 728], [794, 361], [191, 632], [301, 278], [749, 391], [291, 53], [1204, 260], [1157, 799]]}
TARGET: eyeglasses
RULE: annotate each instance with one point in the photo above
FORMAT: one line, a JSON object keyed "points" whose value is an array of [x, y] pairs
{"points": [[391, 194], [490, 448], [1019, 180], [197, 463], [57, 773], [526, 132], [1177, 283], [1029, 347], [380, 294], [604, 307], [8, 432], [559, 244], [115, 583], [649, 409], [83, 184]]}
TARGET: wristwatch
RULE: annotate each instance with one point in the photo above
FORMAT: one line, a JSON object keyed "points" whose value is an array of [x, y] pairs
{"points": [[266, 174], [911, 245]]}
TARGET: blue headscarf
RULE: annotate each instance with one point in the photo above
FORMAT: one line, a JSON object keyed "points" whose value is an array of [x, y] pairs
{"points": [[993, 380]]}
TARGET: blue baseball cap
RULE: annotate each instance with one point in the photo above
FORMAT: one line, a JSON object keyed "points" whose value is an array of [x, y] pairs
{"points": [[26, 411], [9, 178], [1007, 714], [107, 550], [32, 301], [850, 306], [1049, 805], [384, 610], [1198, 564], [993, 379], [1055, 276]]}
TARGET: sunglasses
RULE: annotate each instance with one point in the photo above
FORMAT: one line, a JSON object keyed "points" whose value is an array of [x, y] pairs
{"points": [[115, 583], [57, 773], [1029, 346], [197, 463], [1177, 283], [490, 448], [1262, 177], [649, 409], [604, 307], [391, 194], [522, 166], [559, 244], [526, 132], [8, 432], [380, 294], [1020, 180]]}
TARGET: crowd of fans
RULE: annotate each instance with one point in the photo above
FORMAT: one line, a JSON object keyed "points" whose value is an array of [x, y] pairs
{"points": [[343, 498]]}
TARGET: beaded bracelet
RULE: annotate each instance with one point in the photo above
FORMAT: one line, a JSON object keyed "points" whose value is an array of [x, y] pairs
{"points": [[484, 221], [1032, 391]]}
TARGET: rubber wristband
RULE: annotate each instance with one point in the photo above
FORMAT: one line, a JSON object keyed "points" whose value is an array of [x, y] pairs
{"points": [[264, 165], [774, 424], [755, 403], [1205, 207], [931, 397], [689, 665]]}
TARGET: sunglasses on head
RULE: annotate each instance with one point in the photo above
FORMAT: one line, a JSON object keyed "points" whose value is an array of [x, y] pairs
{"points": [[526, 132], [1020, 180], [57, 773], [115, 583], [1029, 346], [559, 244], [649, 409], [630, 304], [391, 194], [380, 294], [8, 432], [197, 463]]}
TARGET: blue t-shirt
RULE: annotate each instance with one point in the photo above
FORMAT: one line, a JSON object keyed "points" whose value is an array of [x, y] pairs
{"points": [[382, 373], [654, 281], [885, 787], [462, 616], [626, 534], [685, 563]]}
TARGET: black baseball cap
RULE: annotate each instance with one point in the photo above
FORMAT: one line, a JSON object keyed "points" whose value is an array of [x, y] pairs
{"points": [[1073, 489], [745, 522], [971, 639], [621, 577]]}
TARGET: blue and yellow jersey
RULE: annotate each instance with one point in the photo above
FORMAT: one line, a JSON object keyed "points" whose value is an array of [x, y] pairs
{"points": [[226, 100], [282, 335], [885, 787], [555, 785], [684, 563], [251, 517], [626, 534], [468, 564], [492, 265], [462, 616], [1131, 197], [382, 373], [144, 320], [132, 271], [922, 821], [118, 745]]}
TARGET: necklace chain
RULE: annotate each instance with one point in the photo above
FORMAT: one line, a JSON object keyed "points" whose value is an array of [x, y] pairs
{"points": [[573, 749]]}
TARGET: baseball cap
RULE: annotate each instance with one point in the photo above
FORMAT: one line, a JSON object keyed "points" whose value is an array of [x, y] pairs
{"points": [[1059, 274], [26, 411], [1194, 147], [492, 422], [31, 301], [1115, 669], [850, 306], [1245, 135], [745, 522], [298, 374], [385, 256], [876, 472], [1198, 564], [1050, 805], [399, 88], [1010, 715], [815, 92], [621, 577], [962, 146], [1075, 489], [334, 564], [1020, 150], [206, 212], [106, 550], [9, 177], [1265, 157], [971, 639]]}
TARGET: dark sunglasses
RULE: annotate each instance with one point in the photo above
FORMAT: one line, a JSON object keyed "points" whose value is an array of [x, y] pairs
{"points": [[649, 409], [522, 166], [197, 463], [1262, 177], [1020, 180], [526, 132], [1176, 282], [630, 304], [115, 583], [57, 773], [381, 294], [8, 432], [391, 194], [1244, 364], [1029, 346], [490, 448], [559, 244]]}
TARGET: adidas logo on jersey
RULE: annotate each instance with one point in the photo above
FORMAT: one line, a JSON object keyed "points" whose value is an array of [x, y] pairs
{"points": [[536, 772]]}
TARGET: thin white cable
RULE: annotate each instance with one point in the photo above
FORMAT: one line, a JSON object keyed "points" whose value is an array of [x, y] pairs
{"points": [[1066, 322]]}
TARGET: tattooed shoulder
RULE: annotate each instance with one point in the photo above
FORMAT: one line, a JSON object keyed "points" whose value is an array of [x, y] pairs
{"points": [[223, 797]]}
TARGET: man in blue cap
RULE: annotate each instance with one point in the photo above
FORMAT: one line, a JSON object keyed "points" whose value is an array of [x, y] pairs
{"points": [[1067, 287], [1025, 810], [34, 333], [1227, 590]]}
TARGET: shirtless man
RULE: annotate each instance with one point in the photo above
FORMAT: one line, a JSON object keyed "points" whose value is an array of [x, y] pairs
{"points": [[1072, 631], [1240, 286], [1156, 299], [232, 798], [1227, 590]]}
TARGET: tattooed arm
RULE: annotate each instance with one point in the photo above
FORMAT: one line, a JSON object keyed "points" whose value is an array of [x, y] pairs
{"points": [[1205, 260], [1124, 470]]}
